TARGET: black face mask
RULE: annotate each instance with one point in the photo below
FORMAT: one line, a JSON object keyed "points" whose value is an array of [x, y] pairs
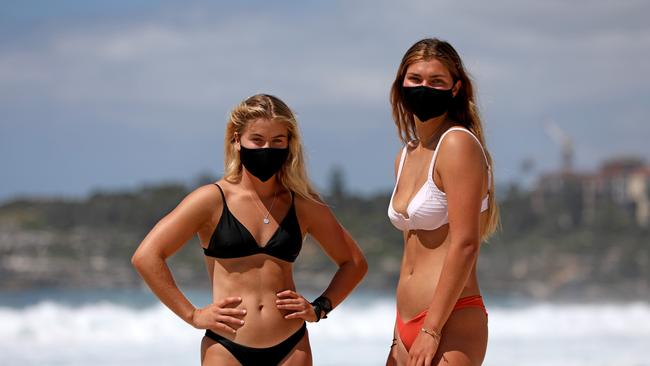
{"points": [[425, 102], [263, 163]]}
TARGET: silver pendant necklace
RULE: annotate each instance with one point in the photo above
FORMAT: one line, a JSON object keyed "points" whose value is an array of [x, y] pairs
{"points": [[266, 220]]}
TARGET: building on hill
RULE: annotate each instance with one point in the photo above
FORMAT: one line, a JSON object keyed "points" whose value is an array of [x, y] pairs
{"points": [[623, 182]]}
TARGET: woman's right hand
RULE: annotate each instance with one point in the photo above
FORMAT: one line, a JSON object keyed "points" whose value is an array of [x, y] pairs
{"points": [[222, 315]]}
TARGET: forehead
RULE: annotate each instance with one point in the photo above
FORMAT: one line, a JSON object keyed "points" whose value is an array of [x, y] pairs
{"points": [[428, 67], [266, 127]]}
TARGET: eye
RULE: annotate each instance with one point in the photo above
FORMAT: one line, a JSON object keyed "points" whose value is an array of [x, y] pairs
{"points": [[279, 142], [439, 83], [414, 79]]}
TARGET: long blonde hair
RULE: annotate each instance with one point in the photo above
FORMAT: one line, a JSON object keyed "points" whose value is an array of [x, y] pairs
{"points": [[463, 109], [292, 175]]}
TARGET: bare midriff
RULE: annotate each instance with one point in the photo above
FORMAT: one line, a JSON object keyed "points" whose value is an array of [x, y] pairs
{"points": [[424, 257], [257, 279]]}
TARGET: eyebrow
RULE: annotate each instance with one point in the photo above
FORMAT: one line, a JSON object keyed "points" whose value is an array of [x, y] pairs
{"points": [[273, 137], [420, 75]]}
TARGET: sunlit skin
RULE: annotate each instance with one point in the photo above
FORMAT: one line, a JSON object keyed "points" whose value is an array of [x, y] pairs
{"points": [[439, 266], [255, 302]]}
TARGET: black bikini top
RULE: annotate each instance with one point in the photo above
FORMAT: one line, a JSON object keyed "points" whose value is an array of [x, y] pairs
{"points": [[231, 239]]}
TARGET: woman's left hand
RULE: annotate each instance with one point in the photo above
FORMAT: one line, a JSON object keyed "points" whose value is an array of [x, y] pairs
{"points": [[298, 306], [423, 350]]}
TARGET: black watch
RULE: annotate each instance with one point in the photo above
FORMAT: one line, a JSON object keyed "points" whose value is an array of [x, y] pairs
{"points": [[322, 306], [317, 311]]}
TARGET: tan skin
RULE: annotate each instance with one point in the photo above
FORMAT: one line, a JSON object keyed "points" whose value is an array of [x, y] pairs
{"points": [[439, 266], [253, 294]]}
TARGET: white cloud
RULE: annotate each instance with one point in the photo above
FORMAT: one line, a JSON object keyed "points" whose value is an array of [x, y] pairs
{"points": [[575, 61], [196, 63]]}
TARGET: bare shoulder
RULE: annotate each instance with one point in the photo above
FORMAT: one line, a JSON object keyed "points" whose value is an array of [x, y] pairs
{"points": [[460, 147], [310, 210], [398, 156], [310, 206], [203, 200]]}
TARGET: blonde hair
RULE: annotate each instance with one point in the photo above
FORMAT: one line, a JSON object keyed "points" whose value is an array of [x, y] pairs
{"points": [[463, 109], [292, 175]]}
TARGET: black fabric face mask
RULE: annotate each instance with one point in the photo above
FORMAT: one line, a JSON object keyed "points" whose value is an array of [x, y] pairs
{"points": [[425, 102], [263, 163]]}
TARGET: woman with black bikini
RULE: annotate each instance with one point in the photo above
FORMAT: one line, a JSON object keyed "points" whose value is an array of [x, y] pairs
{"points": [[251, 225]]}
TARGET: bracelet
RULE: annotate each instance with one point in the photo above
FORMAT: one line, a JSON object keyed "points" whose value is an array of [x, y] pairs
{"points": [[433, 333], [322, 305]]}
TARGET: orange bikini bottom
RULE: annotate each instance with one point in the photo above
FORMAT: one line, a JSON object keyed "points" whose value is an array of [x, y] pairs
{"points": [[410, 329]]}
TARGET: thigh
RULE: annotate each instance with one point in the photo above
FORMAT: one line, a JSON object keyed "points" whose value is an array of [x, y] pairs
{"points": [[300, 355], [464, 339], [399, 352], [214, 354]]}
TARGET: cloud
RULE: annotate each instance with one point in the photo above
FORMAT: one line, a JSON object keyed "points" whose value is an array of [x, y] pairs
{"points": [[156, 63], [171, 74], [196, 62]]}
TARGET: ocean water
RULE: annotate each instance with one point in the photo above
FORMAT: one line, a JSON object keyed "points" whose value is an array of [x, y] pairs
{"points": [[132, 328]]}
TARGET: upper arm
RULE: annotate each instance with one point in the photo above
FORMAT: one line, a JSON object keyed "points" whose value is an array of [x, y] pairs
{"points": [[178, 226], [323, 226], [463, 171]]}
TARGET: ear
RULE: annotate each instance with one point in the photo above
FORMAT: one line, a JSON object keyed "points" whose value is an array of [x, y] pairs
{"points": [[236, 141], [456, 88]]}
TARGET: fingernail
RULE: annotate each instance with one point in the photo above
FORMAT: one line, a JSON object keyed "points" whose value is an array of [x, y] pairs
{"points": [[241, 322], [244, 311]]}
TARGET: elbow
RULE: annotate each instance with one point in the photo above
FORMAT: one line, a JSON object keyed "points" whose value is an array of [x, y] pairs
{"points": [[356, 262], [356, 265], [140, 259], [147, 257], [137, 259], [468, 248], [361, 264]]}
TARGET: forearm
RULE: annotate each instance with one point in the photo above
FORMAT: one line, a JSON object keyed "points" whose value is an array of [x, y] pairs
{"points": [[346, 278], [155, 272], [455, 273]]}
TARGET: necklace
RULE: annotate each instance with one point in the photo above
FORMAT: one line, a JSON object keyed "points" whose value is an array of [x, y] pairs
{"points": [[435, 135], [266, 217]]}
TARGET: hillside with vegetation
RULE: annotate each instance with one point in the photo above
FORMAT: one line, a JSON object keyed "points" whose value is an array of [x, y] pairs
{"points": [[536, 254]]}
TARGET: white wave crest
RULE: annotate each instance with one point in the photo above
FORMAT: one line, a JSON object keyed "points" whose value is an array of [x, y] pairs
{"points": [[112, 334]]}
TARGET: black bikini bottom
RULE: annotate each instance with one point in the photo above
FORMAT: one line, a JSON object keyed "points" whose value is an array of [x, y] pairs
{"points": [[249, 356]]}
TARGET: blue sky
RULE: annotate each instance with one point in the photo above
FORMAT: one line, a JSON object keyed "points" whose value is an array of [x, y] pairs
{"points": [[111, 95]]}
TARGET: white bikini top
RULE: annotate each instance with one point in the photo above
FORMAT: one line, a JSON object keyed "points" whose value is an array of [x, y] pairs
{"points": [[428, 208]]}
